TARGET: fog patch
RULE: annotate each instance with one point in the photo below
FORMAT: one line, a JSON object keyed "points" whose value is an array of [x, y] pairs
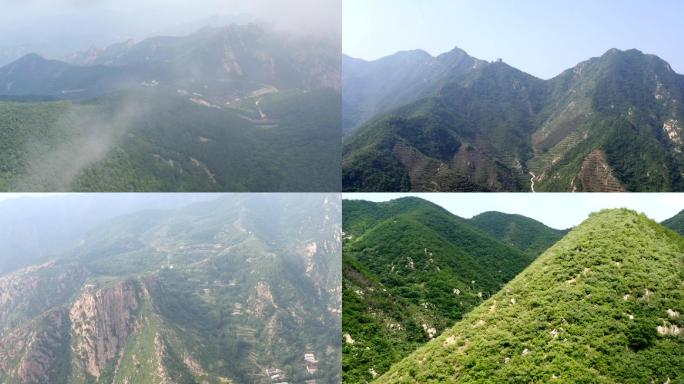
{"points": [[82, 136]]}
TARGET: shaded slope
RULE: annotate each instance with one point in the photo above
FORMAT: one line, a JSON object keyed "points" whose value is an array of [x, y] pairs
{"points": [[676, 223], [602, 305], [410, 269], [528, 235]]}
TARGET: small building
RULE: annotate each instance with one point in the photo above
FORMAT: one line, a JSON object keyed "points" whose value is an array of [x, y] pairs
{"points": [[311, 363]]}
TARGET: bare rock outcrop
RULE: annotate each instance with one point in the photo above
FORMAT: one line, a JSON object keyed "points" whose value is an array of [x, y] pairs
{"points": [[102, 321]]}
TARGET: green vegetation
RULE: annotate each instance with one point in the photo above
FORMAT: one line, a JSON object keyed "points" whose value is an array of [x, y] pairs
{"points": [[676, 223], [603, 305], [518, 231], [410, 270], [153, 142]]}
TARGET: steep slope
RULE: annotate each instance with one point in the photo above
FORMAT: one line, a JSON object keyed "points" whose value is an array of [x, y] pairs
{"points": [[217, 292], [373, 87], [410, 269], [602, 305], [528, 235], [676, 223], [611, 123]]}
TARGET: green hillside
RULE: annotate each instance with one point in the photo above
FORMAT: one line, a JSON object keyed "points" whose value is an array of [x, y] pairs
{"points": [[410, 270], [216, 292], [612, 123], [676, 223], [151, 141], [603, 305], [528, 235]]}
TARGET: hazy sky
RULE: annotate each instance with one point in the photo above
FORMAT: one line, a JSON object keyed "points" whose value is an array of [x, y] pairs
{"points": [[540, 37], [56, 27], [557, 210]]}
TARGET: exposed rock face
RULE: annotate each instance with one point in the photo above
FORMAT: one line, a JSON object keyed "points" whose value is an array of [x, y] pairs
{"points": [[101, 321], [27, 293], [37, 349]]}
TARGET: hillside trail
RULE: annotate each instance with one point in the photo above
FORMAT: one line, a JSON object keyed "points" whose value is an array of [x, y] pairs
{"points": [[532, 181]]}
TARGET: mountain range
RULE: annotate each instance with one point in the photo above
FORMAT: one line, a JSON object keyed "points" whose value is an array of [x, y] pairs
{"points": [[456, 123], [235, 289], [412, 271], [239, 108]]}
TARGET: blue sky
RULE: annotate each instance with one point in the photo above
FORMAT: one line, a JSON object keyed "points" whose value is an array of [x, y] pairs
{"points": [[540, 37], [557, 210]]}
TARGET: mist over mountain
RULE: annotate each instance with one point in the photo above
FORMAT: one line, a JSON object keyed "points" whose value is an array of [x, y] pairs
{"points": [[36, 229], [611, 123], [239, 288]]}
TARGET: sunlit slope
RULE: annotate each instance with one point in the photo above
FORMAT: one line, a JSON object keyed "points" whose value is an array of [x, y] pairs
{"points": [[603, 305]]}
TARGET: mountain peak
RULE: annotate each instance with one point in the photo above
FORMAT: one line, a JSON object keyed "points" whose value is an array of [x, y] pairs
{"points": [[31, 57]]}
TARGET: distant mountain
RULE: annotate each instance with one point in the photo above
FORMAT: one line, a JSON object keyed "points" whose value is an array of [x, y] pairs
{"points": [[222, 63], [410, 270], [233, 290], [372, 87], [528, 235], [602, 304], [611, 123], [239, 108], [42, 228], [676, 223]]}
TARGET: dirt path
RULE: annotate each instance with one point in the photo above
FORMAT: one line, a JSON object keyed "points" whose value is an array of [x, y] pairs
{"points": [[532, 181], [261, 113]]}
